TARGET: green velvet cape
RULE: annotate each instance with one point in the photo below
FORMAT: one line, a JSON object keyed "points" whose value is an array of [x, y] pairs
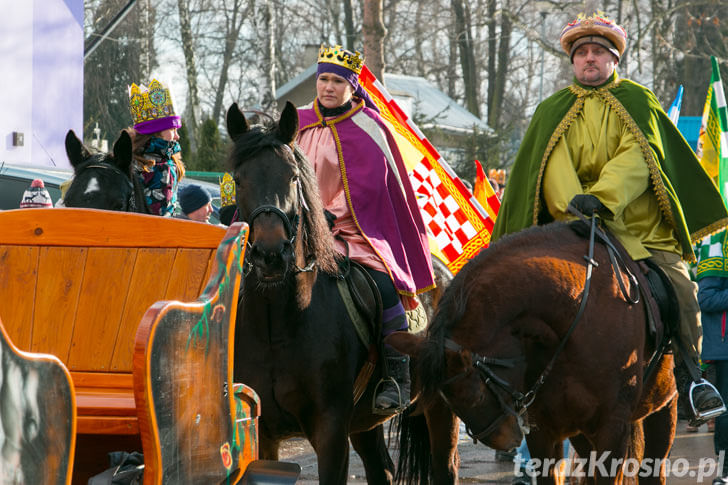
{"points": [[687, 196]]}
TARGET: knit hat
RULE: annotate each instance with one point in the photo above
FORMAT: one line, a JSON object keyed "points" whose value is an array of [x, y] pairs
{"points": [[192, 197], [36, 196], [596, 29]]}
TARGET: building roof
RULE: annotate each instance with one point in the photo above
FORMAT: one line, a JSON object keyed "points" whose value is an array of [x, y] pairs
{"points": [[415, 95], [427, 102]]}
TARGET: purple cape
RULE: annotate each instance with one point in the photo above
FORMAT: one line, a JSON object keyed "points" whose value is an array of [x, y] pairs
{"points": [[388, 218]]}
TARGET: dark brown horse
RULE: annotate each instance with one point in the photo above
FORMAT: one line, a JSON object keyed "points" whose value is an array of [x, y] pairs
{"points": [[294, 341], [495, 334]]}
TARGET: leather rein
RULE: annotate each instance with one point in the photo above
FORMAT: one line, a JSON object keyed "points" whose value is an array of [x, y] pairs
{"points": [[498, 386]]}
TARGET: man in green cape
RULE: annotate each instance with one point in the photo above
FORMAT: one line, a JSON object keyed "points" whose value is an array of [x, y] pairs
{"points": [[605, 145]]}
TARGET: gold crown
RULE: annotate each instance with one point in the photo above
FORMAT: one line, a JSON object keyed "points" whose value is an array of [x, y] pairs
{"points": [[227, 190], [341, 57], [150, 103]]}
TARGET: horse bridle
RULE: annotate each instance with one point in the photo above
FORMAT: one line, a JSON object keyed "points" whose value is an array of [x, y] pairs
{"points": [[291, 228], [497, 385]]}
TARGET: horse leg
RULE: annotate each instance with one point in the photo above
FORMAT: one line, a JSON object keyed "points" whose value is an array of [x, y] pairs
{"points": [[329, 437], [611, 444], [545, 454], [268, 448], [443, 427], [659, 433], [579, 467], [372, 448]]}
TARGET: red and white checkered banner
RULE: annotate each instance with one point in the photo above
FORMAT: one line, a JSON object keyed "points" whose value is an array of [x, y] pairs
{"points": [[458, 224]]}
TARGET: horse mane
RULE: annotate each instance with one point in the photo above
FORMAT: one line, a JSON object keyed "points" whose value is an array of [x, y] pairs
{"points": [[316, 236], [453, 303]]}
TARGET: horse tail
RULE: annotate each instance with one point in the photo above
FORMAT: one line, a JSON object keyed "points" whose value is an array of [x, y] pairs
{"points": [[413, 464]]}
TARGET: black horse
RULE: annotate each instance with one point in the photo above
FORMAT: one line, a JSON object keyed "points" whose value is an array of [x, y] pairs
{"points": [[103, 180], [294, 342]]}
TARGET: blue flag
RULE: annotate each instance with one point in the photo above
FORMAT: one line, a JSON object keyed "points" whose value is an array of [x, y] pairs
{"points": [[674, 111]]}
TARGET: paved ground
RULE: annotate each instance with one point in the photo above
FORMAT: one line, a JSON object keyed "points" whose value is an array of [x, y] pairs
{"points": [[478, 463]]}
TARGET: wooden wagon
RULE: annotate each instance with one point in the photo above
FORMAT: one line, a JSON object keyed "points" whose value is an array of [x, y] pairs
{"points": [[105, 292]]}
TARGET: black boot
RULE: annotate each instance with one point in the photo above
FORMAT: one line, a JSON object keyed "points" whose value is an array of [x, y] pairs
{"points": [[394, 391]]}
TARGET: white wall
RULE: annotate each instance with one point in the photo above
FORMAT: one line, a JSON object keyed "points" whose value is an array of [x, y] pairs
{"points": [[41, 83]]}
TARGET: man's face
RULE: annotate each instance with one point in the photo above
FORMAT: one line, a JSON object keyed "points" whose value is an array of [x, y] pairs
{"points": [[593, 64]]}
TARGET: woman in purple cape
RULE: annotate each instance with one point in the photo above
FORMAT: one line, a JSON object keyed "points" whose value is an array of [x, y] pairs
{"points": [[365, 188]]}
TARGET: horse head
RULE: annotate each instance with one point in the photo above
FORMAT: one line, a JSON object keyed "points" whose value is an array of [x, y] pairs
{"points": [[474, 357], [481, 391], [101, 180], [277, 195]]}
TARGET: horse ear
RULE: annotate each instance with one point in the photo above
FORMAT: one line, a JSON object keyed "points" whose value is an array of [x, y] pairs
{"points": [[77, 153], [405, 342], [123, 151], [236, 122], [288, 124]]}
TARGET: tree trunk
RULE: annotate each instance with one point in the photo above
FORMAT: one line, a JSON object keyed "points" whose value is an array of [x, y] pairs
{"points": [[504, 50], [193, 100], [233, 23], [374, 32], [492, 59], [268, 66], [467, 57], [452, 75], [349, 25], [419, 40], [146, 28]]}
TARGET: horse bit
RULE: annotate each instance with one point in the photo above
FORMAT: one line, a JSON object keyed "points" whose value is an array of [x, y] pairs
{"points": [[521, 401]]}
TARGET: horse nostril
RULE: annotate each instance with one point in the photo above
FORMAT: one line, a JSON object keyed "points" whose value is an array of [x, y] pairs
{"points": [[255, 252]]}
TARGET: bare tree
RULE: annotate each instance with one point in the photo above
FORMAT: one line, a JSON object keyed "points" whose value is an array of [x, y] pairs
{"points": [[146, 42], [268, 67], [349, 25], [467, 56], [498, 78], [193, 100], [233, 16], [374, 33]]}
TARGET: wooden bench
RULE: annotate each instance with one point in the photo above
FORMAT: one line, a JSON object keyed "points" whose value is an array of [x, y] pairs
{"points": [[75, 283], [37, 415], [196, 426]]}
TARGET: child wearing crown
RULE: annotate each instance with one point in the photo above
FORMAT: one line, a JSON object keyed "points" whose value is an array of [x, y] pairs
{"points": [[364, 185], [155, 144]]}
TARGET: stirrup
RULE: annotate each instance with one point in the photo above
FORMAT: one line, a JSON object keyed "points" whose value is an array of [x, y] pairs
{"points": [[710, 413], [387, 411]]}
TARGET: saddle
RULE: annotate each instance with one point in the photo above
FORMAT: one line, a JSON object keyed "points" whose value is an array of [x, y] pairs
{"points": [[362, 300], [363, 303], [654, 287]]}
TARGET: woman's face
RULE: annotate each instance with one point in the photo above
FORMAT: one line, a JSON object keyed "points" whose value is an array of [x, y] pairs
{"points": [[333, 90], [169, 134]]}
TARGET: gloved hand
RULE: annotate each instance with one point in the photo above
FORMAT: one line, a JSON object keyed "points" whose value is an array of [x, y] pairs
{"points": [[588, 204]]}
